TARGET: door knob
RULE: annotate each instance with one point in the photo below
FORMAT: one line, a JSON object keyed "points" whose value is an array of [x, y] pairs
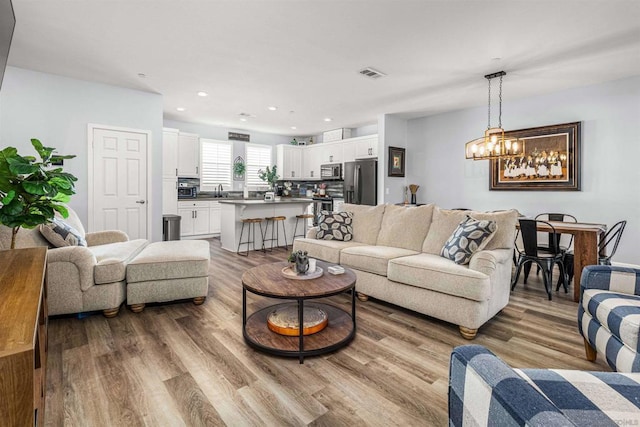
{"points": [[140, 201]]}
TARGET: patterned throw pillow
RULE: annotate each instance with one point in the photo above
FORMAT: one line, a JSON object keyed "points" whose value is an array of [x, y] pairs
{"points": [[335, 226], [61, 234], [470, 236]]}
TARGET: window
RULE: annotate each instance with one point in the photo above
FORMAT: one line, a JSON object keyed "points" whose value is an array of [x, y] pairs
{"points": [[215, 166], [258, 157]]}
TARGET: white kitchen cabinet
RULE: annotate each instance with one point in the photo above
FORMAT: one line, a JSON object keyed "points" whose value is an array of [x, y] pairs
{"points": [[170, 196], [367, 147], [215, 218], [289, 161], [348, 151], [188, 155], [195, 218], [332, 153], [169, 153], [312, 161]]}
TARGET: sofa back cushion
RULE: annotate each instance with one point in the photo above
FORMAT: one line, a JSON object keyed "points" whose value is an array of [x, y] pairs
{"points": [[405, 227], [366, 222], [444, 222], [506, 228]]}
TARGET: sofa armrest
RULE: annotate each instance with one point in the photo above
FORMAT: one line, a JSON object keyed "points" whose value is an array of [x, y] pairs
{"points": [[76, 258], [483, 390], [311, 233], [105, 237], [625, 280], [487, 261]]}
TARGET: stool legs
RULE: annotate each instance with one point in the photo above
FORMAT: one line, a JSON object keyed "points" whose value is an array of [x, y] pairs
{"points": [[251, 237], [275, 234]]}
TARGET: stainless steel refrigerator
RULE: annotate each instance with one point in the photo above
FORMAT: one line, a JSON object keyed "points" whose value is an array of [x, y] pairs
{"points": [[361, 182]]}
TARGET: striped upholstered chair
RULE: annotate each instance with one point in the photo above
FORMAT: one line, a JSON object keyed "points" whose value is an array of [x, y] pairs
{"points": [[485, 391], [609, 315]]}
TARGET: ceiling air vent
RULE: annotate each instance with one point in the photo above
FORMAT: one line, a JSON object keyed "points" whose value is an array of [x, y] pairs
{"points": [[371, 73]]}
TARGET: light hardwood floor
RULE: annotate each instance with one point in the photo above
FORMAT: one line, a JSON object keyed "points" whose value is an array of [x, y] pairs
{"points": [[181, 364]]}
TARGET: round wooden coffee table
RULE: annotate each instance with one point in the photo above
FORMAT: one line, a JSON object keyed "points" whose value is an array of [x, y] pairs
{"points": [[267, 280]]}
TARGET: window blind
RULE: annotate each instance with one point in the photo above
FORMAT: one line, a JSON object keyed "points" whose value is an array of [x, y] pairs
{"points": [[258, 157], [215, 165]]}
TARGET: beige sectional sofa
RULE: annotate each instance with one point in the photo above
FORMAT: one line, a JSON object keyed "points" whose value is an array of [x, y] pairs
{"points": [[395, 252]]}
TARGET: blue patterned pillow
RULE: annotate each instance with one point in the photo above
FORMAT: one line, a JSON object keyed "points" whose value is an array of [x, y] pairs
{"points": [[470, 236], [335, 226], [61, 234]]}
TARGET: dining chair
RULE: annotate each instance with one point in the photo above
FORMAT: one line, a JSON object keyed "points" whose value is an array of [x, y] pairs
{"points": [[610, 239], [533, 255], [556, 241]]}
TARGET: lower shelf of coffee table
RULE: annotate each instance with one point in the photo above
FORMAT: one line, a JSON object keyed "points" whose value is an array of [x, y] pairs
{"points": [[339, 332]]}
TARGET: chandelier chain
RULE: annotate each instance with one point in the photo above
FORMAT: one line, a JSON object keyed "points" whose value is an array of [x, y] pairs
{"points": [[489, 108], [500, 115]]}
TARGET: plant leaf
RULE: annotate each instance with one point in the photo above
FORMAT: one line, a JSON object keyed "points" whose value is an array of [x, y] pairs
{"points": [[44, 152], [62, 209], [9, 197], [20, 166], [62, 198], [39, 188]]}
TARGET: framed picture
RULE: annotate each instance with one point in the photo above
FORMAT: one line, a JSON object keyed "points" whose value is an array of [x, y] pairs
{"points": [[396, 162], [550, 160]]}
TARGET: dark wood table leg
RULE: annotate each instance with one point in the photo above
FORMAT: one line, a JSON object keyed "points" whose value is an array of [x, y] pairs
{"points": [[585, 253], [301, 327]]}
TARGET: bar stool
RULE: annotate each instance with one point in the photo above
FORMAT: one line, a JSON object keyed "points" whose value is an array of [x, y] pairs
{"points": [[303, 217], [275, 228], [251, 223]]}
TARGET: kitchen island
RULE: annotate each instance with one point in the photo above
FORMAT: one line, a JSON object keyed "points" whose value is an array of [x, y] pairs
{"points": [[235, 210]]}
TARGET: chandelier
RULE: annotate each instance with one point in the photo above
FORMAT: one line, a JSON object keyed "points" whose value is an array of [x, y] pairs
{"points": [[493, 145]]}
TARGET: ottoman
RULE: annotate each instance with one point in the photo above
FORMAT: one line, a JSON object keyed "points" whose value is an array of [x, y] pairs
{"points": [[168, 271]]}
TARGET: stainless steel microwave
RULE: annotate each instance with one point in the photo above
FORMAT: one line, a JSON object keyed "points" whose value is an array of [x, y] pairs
{"points": [[185, 192], [331, 171]]}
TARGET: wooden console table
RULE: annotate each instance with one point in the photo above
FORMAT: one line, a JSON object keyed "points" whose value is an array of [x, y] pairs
{"points": [[23, 336]]}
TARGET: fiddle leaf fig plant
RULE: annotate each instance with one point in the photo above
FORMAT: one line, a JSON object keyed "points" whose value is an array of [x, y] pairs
{"points": [[31, 190]]}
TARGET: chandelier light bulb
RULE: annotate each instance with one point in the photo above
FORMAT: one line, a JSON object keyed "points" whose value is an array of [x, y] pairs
{"points": [[474, 148], [482, 150], [507, 144]]}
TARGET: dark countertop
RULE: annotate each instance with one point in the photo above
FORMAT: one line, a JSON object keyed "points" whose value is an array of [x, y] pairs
{"points": [[282, 201]]}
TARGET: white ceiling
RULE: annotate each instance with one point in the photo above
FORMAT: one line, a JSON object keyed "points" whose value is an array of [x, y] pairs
{"points": [[303, 56]]}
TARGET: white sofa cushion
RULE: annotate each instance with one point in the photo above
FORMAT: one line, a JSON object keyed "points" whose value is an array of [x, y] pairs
{"points": [[112, 259], [373, 259], [440, 274], [405, 227], [366, 222], [506, 231], [326, 250], [444, 222]]}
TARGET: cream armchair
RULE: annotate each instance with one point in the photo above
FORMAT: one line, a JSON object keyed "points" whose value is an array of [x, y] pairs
{"points": [[81, 279]]}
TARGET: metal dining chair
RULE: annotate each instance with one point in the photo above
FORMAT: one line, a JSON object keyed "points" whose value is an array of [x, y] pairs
{"points": [[556, 241], [533, 255], [612, 237]]}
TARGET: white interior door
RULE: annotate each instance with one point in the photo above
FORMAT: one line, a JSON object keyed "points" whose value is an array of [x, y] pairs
{"points": [[118, 166]]}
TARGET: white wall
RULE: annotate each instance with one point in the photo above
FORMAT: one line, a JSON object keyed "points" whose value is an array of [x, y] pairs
{"points": [[610, 116], [57, 109], [392, 132]]}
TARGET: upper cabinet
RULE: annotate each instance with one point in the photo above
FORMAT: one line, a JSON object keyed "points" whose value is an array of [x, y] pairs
{"points": [[289, 161], [312, 159], [169, 153], [188, 155], [367, 147], [348, 151]]}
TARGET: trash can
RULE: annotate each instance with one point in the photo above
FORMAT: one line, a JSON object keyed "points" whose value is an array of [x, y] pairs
{"points": [[171, 227]]}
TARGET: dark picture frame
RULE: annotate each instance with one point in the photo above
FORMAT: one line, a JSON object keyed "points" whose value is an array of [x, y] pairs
{"points": [[396, 162], [550, 162]]}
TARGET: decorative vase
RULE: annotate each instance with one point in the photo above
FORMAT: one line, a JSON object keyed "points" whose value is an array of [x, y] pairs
{"points": [[413, 199]]}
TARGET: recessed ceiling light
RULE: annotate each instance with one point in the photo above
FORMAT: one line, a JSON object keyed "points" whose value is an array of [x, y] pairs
{"points": [[142, 75], [328, 119], [294, 128], [181, 109], [272, 108], [203, 94], [243, 119]]}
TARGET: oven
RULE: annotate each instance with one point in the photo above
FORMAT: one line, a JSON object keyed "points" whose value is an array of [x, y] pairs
{"points": [[321, 204]]}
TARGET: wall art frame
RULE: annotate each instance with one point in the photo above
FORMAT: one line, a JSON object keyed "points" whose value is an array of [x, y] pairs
{"points": [[550, 160], [396, 162]]}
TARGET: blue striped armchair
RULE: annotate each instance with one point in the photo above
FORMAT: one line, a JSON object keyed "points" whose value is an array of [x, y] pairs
{"points": [[609, 315], [485, 391]]}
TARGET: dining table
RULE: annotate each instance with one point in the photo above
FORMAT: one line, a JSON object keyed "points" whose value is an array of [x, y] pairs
{"points": [[585, 245]]}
